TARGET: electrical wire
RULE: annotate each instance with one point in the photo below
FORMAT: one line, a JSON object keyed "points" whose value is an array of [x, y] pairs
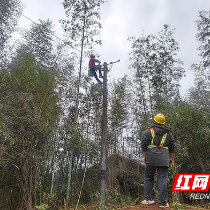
{"points": [[50, 33], [64, 42]]}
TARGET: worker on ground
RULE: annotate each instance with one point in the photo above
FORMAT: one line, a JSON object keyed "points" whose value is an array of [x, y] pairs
{"points": [[158, 148], [93, 68]]}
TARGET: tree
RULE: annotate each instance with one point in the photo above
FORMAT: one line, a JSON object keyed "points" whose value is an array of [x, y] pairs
{"points": [[203, 36], [82, 22], [142, 59], [199, 94], [157, 69], [118, 112], [39, 42], [10, 12], [29, 112], [168, 70], [201, 70], [81, 25], [190, 126]]}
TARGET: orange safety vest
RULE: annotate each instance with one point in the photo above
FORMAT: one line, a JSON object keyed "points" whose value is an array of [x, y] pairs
{"points": [[152, 131]]}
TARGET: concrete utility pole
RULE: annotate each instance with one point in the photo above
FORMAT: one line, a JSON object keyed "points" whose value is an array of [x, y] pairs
{"points": [[104, 141]]}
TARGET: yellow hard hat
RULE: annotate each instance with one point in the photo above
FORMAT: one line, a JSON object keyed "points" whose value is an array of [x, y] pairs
{"points": [[92, 56], [160, 118]]}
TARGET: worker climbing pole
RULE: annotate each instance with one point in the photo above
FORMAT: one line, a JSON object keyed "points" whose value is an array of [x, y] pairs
{"points": [[104, 138], [93, 68]]}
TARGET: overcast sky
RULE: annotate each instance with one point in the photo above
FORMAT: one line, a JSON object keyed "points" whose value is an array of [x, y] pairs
{"points": [[122, 19]]}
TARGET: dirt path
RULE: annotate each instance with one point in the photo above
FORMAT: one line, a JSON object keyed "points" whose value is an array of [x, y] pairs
{"points": [[151, 207], [156, 206], [147, 207]]}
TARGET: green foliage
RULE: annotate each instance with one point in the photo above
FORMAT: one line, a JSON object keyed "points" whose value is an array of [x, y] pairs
{"points": [[120, 109], [82, 16], [116, 198], [39, 42], [203, 35], [29, 111], [139, 184], [136, 202], [199, 95], [191, 129], [157, 70], [42, 207], [177, 206], [10, 12], [118, 103], [28, 77]]}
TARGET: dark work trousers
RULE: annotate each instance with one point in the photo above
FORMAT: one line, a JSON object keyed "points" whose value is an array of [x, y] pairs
{"points": [[93, 73], [162, 183]]}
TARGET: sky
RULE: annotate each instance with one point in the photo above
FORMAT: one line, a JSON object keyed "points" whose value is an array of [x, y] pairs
{"points": [[121, 19]]}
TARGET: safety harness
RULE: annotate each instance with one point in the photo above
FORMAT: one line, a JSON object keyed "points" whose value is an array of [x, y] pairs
{"points": [[152, 145]]}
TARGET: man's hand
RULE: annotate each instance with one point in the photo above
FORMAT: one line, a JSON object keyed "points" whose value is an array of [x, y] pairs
{"points": [[144, 153], [171, 162]]}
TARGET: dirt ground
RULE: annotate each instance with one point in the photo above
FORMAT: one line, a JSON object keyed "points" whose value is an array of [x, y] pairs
{"points": [[149, 207], [156, 206]]}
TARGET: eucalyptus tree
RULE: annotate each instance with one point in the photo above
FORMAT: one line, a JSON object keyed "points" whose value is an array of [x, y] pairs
{"points": [[90, 117], [202, 69], [120, 121], [39, 41], [82, 24], [203, 36], [143, 49], [83, 142], [168, 69], [157, 70], [29, 112], [190, 126], [118, 112], [10, 12], [199, 94], [82, 29]]}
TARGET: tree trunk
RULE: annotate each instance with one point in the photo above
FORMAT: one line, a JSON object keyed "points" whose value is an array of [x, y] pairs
{"points": [[175, 194], [52, 182], [69, 179], [80, 70], [142, 92], [24, 178], [25, 191], [150, 94], [36, 181]]}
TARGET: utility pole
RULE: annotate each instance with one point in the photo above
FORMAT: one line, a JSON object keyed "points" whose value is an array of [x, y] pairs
{"points": [[104, 141]]}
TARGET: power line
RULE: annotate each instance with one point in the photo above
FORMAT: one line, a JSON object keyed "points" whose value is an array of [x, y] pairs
{"points": [[64, 42], [50, 33]]}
